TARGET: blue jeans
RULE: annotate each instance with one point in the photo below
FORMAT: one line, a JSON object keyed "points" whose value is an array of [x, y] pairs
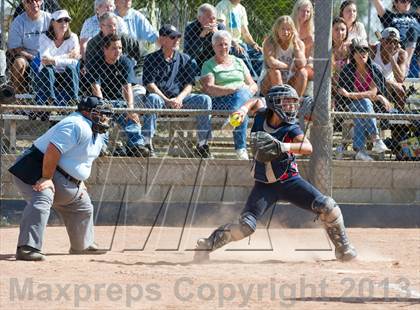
{"points": [[132, 130], [59, 86], [363, 126], [252, 58], [414, 69], [232, 103], [192, 101]]}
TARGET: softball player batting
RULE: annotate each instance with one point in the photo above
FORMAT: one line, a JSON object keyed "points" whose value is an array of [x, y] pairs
{"points": [[275, 138]]}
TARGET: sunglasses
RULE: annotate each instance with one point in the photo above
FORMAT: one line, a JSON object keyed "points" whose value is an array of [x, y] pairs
{"points": [[404, 1], [63, 20], [172, 37], [362, 50], [392, 41]]}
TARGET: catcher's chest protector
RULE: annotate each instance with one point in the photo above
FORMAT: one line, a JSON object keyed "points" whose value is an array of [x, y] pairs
{"points": [[278, 169]]}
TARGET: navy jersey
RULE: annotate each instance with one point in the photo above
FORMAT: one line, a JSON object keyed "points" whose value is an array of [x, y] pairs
{"points": [[277, 169]]}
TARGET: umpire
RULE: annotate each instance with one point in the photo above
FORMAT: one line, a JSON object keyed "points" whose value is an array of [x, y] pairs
{"points": [[51, 174]]}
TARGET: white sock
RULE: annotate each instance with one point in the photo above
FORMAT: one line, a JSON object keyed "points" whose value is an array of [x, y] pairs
{"points": [[147, 140]]}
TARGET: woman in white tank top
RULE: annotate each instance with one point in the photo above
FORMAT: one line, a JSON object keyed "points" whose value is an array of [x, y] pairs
{"points": [[284, 57]]}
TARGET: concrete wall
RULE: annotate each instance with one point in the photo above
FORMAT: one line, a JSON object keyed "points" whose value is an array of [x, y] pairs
{"points": [[230, 180]]}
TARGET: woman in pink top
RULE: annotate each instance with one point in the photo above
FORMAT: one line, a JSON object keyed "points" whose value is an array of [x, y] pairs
{"points": [[360, 82]]}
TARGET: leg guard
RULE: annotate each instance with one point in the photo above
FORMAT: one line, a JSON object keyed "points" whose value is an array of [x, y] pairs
{"points": [[330, 214], [225, 234]]}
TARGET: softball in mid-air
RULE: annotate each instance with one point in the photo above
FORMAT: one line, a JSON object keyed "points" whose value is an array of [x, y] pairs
{"points": [[235, 120]]}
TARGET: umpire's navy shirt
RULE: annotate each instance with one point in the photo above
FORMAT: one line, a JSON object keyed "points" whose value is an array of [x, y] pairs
{"points": [[111, 78], [157, 70]]}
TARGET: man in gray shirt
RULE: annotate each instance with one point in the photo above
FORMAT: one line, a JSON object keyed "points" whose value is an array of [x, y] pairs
{"points": [[23, 42]]}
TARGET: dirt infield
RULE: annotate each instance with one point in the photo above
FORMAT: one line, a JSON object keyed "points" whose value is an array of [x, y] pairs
{"points": [[296, 271]]}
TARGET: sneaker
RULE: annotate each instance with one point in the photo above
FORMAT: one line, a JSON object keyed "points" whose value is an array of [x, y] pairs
{"points": [[151, 150], [138, 151], [203, 151], [242, 154], [363, 156], [29, 253], [379, 146], [90, 250]]}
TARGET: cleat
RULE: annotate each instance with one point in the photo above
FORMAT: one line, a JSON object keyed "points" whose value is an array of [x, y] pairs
{"points": [[202, 251], [345, 254]]}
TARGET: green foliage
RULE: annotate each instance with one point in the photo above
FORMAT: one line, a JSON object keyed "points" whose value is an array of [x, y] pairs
{"points": [[261, 13], [79, 10]]}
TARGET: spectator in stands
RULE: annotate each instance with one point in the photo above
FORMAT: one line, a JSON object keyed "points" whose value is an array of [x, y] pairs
{"points": [[23, 44], [197, 40], [348, 11], [138, 25], [228, 81], [59, 53], [284, 57], [130, 47], [340, 57], [303, 17], [360, 83], [111, 76], [169, 76], [47, 6], [233, 15], [407, 23], [392, 60], [91, 27]]}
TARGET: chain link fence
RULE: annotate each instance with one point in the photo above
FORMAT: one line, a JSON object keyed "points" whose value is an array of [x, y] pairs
{"points": [[370, 114]]}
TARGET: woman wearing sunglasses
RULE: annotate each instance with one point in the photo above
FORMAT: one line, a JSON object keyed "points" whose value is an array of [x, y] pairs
{"points": [[405, 21], [59, 55], [360, 83]]}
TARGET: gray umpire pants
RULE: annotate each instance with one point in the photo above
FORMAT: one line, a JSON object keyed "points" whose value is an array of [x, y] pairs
{"points": [[72, 204]]}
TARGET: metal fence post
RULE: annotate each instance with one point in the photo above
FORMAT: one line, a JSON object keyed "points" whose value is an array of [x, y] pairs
{"points": [[2, 25], [321, 132]]}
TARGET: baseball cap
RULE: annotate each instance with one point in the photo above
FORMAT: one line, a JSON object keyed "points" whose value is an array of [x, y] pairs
{"points": [[391, 33], [60, 14], [358, 43], [168, 30], [89, 103]]}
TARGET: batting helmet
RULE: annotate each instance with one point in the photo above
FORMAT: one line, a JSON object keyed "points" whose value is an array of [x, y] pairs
{"points": [[99, 113], [274, 99]]}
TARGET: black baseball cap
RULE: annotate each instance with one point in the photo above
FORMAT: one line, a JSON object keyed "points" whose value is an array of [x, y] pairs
{"points": [[168, 30], [89, 103]]}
